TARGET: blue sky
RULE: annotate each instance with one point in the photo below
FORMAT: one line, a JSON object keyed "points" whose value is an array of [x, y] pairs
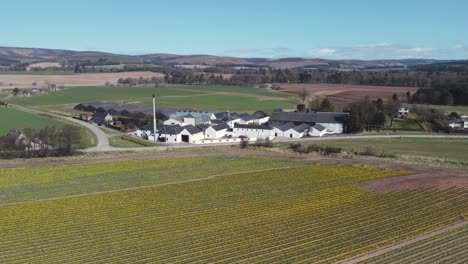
{"points": [[357, 29]]}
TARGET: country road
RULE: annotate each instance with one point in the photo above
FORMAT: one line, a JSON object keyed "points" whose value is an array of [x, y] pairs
{"points": [[104, 146], [102, 137]]}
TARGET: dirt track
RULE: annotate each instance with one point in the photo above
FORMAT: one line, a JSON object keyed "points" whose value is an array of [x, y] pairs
{"points": [[88, 79]]}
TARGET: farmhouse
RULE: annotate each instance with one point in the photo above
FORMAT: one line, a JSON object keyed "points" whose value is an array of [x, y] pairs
{"points": [[253, 131], [145, 131], [335, 123], [101, 118], [460, 124], [86, 117], [403, 112]]}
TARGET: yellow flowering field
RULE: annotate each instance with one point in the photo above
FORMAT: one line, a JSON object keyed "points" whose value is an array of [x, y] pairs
{"points": [[32, 183], [308, 214]]}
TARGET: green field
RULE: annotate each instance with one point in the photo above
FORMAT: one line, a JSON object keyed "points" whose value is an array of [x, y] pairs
{"points": [[449, 247], [449, 148], [15, 119], [183, 96], [404, 124], [130, 142], [312, 213], [447, 109]]}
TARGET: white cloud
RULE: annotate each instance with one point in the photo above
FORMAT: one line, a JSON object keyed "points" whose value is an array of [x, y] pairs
{"points": [[278, 52], [322, 52], [372, 51], [375, 51]]}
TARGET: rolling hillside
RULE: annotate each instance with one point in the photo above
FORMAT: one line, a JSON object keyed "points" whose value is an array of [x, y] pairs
{"points": [[12, 55]]}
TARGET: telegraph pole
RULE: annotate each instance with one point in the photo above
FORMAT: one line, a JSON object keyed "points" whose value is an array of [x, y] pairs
{"points": [[154, 117]]}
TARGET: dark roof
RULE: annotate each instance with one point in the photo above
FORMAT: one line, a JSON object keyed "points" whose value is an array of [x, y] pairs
{"points": [[246, 117], [260, 114], [286, 127], [217, 121], [170, 130], [227, 116], [203, 127], [319, 117], [221, 127], [14, 134], [147, 127], [264, 127], [191, 129], [100, 115], [301, 128], [319, 127]]}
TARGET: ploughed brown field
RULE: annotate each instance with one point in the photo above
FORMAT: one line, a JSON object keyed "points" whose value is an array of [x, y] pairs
{"points": [[87, 79], [344, 94]]}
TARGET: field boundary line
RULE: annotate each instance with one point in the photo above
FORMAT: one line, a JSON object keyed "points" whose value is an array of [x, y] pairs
{"points": [[387, 249], [209, 177]]}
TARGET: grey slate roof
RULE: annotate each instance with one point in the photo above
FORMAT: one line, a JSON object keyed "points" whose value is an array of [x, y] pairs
{"points": [[221, 127], [259, 114], [264, 127], [227, 116], [286, 127], [246, 117], [192, 129], [301, 128], [319, 127], [203, 127], [319, 117]]}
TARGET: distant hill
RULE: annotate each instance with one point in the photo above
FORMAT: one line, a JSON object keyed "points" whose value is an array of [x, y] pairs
{"points": [[11, 56]]}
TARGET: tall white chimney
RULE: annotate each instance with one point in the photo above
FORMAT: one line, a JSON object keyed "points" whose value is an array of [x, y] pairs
{"points": [[154, 117]]}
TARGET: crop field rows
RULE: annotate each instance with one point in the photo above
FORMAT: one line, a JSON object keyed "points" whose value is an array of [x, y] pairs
{"points": [[449, 247], [217, 97], [306, 214]]}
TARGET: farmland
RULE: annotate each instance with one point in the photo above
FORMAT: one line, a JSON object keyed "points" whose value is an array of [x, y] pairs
{"points": [[311, 213], [449, 247], [344, 94], [12, 118], [199, 97], [437, 148], [65, 78]]}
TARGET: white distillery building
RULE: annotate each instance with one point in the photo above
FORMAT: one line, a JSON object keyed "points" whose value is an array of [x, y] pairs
{"points": [[253, 131], [335, 123]]}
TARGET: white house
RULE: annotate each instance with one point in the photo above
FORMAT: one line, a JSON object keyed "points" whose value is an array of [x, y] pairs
{"points": [[253, 131], [101, 118], [317, 131], [216, 132], [403, 112], [145, 131], [461, 124]]}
